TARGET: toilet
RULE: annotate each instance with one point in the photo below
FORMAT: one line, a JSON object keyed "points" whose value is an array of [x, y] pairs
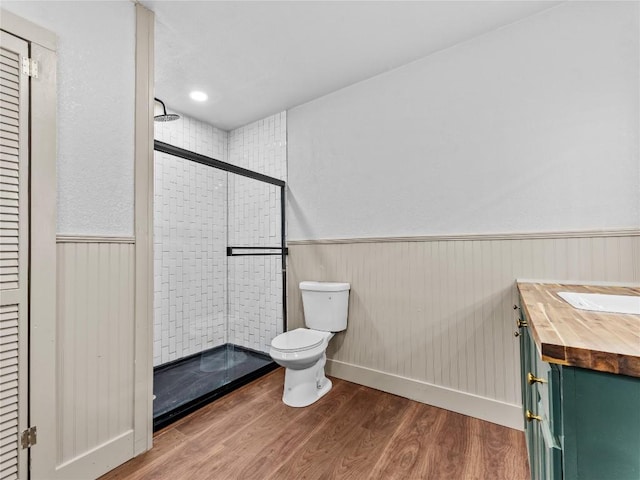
{"points": [[302, 351]]}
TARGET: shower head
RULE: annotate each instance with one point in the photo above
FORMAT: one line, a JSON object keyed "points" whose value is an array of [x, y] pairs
{"points": [[165, 117]]}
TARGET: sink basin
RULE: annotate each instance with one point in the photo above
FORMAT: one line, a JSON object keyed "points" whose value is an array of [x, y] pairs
{"points": [[598, 302]]}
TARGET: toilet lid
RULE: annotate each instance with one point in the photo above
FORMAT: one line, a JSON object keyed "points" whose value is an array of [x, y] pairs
{"points": [[297, 340]]}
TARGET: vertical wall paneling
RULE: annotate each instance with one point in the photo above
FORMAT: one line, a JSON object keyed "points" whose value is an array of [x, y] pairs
{"points": [[95, 354], [437, 313]]}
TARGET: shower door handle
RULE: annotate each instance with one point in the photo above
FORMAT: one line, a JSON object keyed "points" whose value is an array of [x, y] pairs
{"points": [[251, 253]]}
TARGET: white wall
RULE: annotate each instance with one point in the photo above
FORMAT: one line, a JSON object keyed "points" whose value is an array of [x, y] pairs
{"points": [[190, 240], [532, 127], [96, 76]]}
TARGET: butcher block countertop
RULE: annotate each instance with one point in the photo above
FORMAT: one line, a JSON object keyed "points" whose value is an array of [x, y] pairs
{"points": [[608, 342]]}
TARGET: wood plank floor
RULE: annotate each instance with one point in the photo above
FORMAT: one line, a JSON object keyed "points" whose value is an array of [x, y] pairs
{"points": [[354, 432]]}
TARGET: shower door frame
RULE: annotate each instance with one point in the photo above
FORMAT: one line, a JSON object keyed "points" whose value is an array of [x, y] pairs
{"points": [[165, 419]]}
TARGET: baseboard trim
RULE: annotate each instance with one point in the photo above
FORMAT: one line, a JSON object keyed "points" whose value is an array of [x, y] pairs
{"points": [[629, 232], [93, 239], [493, 411]]}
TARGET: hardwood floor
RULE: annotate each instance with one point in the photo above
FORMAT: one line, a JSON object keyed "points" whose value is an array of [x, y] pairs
{"points": [[354, 432]]}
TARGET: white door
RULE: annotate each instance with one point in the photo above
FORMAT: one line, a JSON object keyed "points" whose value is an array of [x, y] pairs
{"points": [[14, 255]]}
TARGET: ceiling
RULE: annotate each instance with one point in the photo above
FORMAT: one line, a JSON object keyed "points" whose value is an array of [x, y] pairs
{"points": [[255, 59]]}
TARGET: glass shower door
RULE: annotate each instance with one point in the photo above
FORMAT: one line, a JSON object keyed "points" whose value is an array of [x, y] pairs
{"points": [[255, 268], [190, 282], [218, 281]]}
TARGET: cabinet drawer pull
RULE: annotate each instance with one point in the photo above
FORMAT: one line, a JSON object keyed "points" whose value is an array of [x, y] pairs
{"points": [[530, 416], [533, 379], [516, 334]]}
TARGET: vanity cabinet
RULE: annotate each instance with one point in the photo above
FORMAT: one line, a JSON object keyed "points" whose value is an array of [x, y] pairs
{"points": [[580, 424]]}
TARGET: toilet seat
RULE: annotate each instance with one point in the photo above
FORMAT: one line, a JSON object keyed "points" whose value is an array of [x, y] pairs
{"points": [[298, 340]]}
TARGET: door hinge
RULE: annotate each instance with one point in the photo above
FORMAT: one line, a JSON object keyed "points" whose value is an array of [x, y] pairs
{"points": [[29, 67], [28, 438]]}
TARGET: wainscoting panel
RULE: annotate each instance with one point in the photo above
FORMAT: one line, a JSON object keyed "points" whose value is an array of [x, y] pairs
{"points": [[440, 311], [95, 332]]}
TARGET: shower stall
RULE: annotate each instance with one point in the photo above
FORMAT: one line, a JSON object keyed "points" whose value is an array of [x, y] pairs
{"points": [[220, 272]]}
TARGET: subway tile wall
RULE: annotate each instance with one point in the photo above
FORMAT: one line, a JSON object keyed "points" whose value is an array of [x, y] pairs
{"points": [[194, 135], [261, 146], [255, 283], [190, 239], [202, 298]]}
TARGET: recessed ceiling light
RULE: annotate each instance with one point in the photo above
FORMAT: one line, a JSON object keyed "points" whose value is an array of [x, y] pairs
{"points": [[198, 96]]}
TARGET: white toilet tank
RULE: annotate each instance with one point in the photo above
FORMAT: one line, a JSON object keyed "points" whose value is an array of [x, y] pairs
{"points": [[325, 305]]}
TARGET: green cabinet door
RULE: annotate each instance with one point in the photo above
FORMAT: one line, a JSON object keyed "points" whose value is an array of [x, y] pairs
{"points": [[601, 421], [545, 452], [526, 355], [589, 425], [550, 451]]}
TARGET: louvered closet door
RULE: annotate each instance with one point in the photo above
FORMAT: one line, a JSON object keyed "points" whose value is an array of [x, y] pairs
{"points": [[14, 255]]}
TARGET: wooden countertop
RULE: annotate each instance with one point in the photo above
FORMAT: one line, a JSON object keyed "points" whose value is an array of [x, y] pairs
{"points": [[608, 342]]}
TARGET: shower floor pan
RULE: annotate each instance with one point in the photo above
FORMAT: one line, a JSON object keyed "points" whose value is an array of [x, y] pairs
{"points": [[182, 386]]}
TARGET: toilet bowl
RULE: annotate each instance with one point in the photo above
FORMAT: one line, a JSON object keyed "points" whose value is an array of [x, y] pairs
{"points": [[302, 351]]}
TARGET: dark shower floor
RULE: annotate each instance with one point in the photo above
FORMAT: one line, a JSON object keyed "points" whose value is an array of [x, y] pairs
{"points": [[180, 382]]}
